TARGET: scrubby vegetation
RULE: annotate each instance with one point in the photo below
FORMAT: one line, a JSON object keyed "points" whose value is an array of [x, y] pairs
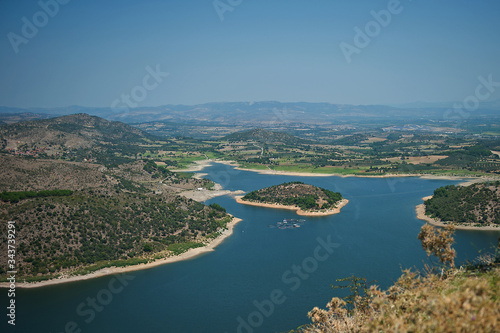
{"points": [[156, 171], [55, 234], [304, 196], [21, 195], [465, 299], [477, 204]]}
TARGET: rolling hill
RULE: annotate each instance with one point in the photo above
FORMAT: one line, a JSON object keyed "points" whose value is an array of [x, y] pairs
{"points": [[76, 137], [75, 131], [255, 114], [264, 136]]}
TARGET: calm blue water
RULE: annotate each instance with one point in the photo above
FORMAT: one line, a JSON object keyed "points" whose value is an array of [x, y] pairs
{"points": [[260, 279]]}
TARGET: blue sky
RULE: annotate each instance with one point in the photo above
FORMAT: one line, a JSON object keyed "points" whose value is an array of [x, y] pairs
{"points": [[91, 53]]}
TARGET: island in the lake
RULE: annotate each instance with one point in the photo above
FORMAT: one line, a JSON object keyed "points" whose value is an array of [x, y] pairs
{"points": [[305, 199]]}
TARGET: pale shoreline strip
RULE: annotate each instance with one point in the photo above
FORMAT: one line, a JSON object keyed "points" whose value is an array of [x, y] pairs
{"points": [[297, 210], [420, 210], [200, 165], [468, 180], [190, 254]]}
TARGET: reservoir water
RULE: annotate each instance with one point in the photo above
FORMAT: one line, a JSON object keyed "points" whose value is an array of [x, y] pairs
{"points": [[260, 279]]}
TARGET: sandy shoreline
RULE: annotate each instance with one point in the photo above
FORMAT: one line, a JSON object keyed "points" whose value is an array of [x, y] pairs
{"points": [[191, 253], [200, 165], [196, 166], [420, 211], [299, 211], [205, 195], [467, 180], [312, 174]]}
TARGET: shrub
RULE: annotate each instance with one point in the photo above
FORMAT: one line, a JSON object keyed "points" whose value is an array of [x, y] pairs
{"points": [[459, 300], [438, 243]]}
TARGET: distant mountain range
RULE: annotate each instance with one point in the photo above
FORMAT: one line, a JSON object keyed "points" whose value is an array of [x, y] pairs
{"points": [[258, 114], [485, 105], [10, 118]]}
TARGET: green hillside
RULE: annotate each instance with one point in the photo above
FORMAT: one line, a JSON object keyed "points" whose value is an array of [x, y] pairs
{"points": [[60, 233], [477, 204]]}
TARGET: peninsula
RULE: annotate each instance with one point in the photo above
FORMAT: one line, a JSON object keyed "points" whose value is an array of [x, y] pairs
{"points": [[466, 207], [305, 199]]}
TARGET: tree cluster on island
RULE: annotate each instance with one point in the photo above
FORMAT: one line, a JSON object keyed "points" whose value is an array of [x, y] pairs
{"points": [[304, 196]]}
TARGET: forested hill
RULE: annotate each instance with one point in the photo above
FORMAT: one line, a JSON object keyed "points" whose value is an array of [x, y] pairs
{"points": [[307, 197], [76, 130], [76, 138], [72, 216], [477, 204]]}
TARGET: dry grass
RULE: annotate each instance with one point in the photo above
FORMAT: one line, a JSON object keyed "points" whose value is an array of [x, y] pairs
{"points": [[457, 300]]}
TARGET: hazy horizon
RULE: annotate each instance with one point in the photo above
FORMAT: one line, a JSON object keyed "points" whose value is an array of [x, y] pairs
{"points": [[60, 53]]}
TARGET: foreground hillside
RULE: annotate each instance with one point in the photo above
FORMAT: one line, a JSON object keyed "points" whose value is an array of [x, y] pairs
{"points": [[477, 204], [462, 301], [465, 299]]}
